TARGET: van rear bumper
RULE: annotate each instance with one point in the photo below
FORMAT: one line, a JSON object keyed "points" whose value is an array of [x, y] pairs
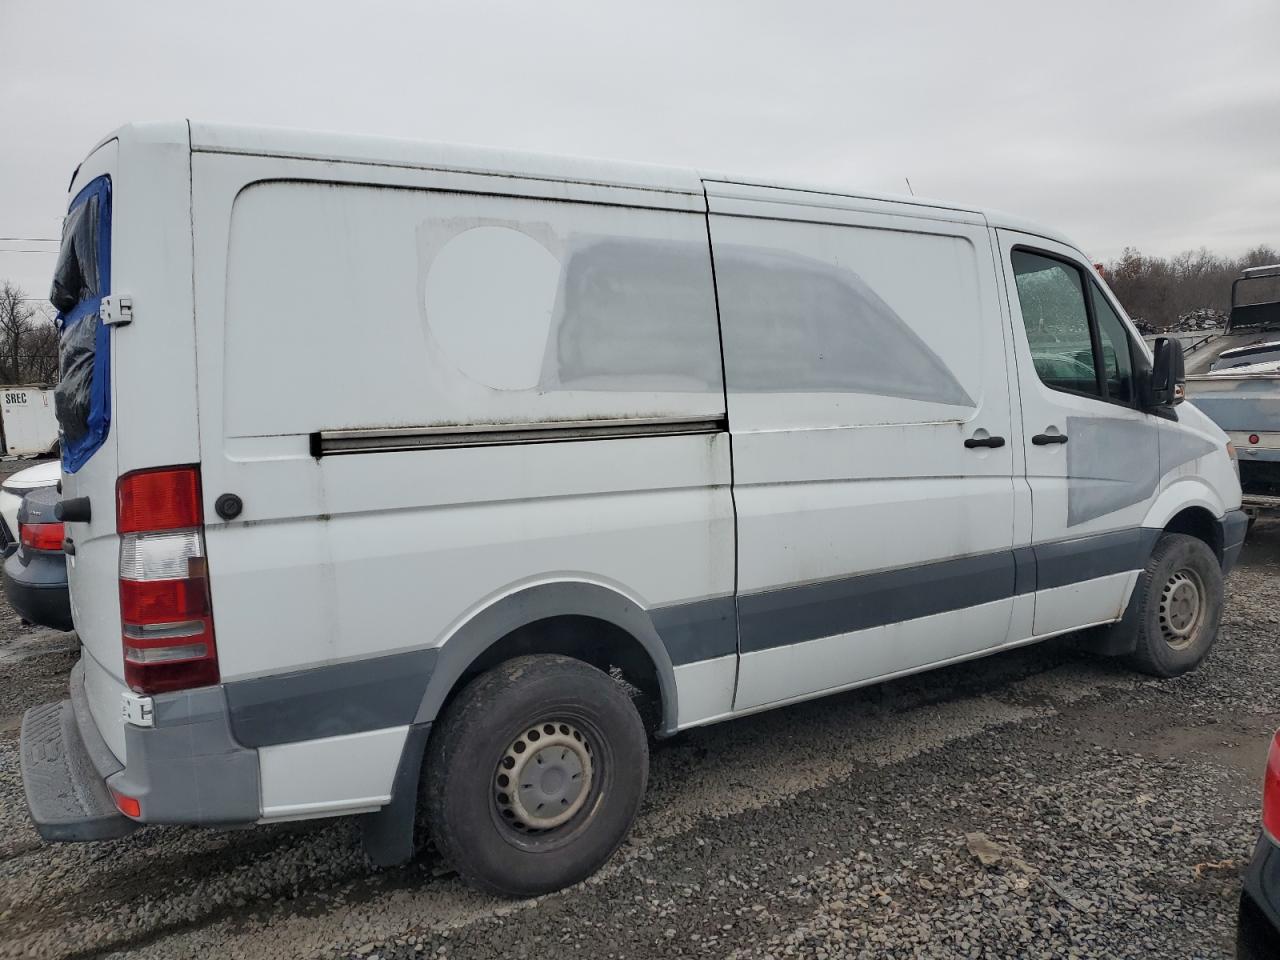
{"points": [[186, 769]]}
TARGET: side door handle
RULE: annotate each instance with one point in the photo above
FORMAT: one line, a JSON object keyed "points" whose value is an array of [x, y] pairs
{"points": [[992, 442], [1044, 439]]}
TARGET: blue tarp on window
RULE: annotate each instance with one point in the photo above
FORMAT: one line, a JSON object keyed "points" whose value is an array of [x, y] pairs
{"points": [[81, 279]]}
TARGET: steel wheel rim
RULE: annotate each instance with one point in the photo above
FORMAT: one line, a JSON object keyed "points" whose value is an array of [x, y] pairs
{"points": [[1182, 608], [544, 778]]}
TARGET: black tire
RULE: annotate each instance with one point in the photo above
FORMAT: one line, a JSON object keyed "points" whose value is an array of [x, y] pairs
{"points": [[1181, 574], [581, 717]]}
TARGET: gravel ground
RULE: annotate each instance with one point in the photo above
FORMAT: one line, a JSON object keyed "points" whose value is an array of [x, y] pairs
{"points": [[1040, 803]]}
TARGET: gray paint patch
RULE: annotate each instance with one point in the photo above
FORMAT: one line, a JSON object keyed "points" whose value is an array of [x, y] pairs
{"points": [[634, 314], [580, 311], [1181, 446], [330, 701], [792, 324], [1111, 464]]}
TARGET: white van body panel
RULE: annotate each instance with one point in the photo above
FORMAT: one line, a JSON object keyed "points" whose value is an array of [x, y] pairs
{"points": [[331, 775], [463, 393]]}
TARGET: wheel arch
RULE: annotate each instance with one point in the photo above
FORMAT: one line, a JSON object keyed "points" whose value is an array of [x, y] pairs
{"points": [[1198, 522], [588, 621], [1190, 506]]}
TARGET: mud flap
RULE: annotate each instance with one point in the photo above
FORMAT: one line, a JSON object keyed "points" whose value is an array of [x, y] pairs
{"points": [[1120, 638], [388, 835]]}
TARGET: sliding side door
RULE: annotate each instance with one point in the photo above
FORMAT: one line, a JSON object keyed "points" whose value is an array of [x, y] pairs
{"points": [[869, 412]]}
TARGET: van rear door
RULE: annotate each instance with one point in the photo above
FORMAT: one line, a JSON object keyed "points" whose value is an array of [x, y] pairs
{"points": [[83, 403], [126, 398]]}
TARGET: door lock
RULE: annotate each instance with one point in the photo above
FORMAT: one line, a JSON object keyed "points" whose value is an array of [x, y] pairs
{"points": [[228, 506]]}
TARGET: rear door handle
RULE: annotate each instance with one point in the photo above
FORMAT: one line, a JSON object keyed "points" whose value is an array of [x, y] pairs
{"points": [[1044, 439], [992, 442]]}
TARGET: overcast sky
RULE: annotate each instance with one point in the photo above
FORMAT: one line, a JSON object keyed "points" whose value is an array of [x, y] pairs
{"points": [[1148, 123]]}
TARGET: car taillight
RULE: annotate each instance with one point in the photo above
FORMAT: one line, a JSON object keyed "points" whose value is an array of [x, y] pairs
{"points": [[41, 536], [1271, 791], [166, 617]]}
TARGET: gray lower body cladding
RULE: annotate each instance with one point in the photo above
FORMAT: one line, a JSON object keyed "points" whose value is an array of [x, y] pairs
{"points": [[189, 768], [396, 690], [186, 769]]}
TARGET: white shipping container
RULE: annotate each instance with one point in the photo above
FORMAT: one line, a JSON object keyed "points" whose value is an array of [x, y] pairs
{"points": [[30, 426]]}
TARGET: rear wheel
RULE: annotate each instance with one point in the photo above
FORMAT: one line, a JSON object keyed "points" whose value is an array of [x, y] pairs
{"points": [[534, 775], [1179, 606]]}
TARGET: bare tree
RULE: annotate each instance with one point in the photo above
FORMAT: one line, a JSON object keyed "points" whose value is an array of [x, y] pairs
{"points": [[1159, 291], [28, 339], [16, 320]]}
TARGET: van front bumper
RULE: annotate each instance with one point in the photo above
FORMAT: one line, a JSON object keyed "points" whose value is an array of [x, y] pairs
{"points": [[186, 769]]}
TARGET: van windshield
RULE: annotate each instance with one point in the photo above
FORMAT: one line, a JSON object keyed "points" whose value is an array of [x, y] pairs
{"points": [[81, 279]]}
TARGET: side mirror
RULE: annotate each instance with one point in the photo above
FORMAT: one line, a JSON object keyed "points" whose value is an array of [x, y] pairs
{"points": [[1168, 374]]}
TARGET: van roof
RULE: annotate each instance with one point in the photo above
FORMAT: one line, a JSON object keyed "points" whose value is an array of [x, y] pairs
{"points": [[397, 152]]}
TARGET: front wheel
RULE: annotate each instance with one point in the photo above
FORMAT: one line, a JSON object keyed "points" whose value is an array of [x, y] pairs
{"points": [[534, 775], [1179, 606]]}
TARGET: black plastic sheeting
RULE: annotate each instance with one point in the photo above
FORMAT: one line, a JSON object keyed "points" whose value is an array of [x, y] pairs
{"points": [[81, 278], [73, 396], [75, 278]]}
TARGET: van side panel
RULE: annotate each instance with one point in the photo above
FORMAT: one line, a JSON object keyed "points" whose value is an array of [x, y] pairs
{"points": [[863, 348], [329, 308]]}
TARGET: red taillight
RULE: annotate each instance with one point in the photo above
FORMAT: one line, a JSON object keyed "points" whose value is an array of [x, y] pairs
{"points": [[162, 499], [1271, 791], [166, 617], [1253, 439], [41, 536]]}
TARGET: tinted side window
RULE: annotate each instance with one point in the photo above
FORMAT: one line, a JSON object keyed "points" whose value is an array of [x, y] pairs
{"points": [[1051, 294], [1117, 358]]}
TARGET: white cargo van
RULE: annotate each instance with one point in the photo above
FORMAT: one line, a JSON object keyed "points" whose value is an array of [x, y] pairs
{"points": [[386, 463]]}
